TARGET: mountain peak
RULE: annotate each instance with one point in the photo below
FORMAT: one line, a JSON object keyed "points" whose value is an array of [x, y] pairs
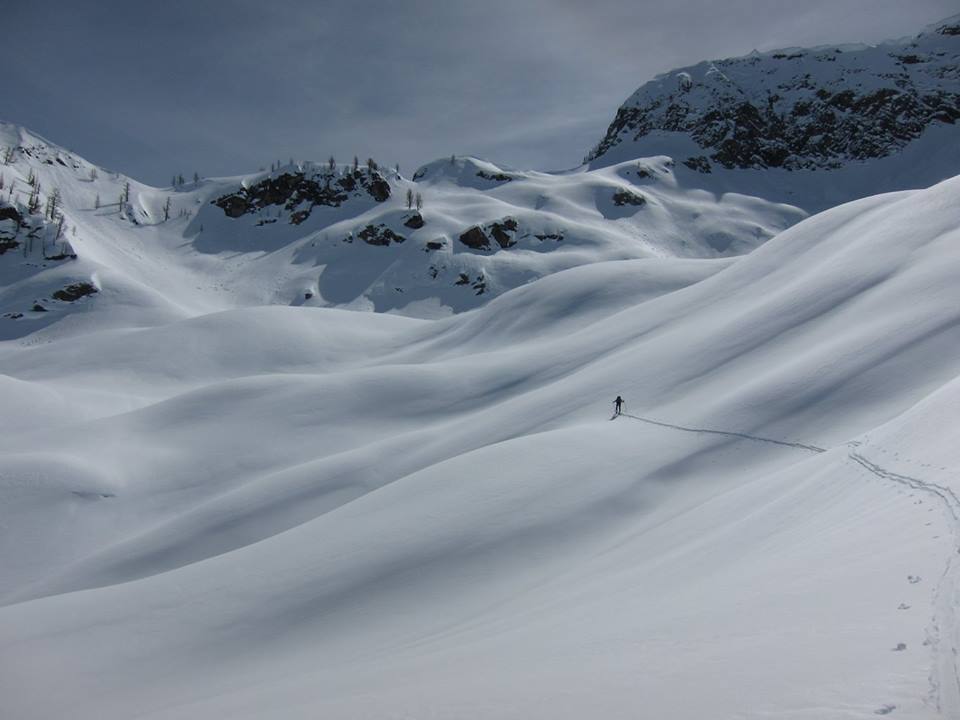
{"points": [[814, 108]]}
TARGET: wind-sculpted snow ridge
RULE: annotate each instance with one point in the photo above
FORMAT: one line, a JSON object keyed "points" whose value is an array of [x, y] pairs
{"points": [[308, 512], [805, 109]]}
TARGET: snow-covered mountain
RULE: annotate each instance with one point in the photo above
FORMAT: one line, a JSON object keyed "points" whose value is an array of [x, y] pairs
{"points": [[310, 234], [707, 161], [878, 117], [225, 492]]}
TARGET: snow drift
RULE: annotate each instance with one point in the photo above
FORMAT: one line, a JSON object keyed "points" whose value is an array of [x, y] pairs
{"points": [[356, 515]]}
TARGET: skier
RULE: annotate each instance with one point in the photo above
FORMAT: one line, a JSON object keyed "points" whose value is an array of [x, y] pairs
{"points": [[618, 403]]}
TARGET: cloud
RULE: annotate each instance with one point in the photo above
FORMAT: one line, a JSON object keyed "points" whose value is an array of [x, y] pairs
{"points": [[153, 89]]}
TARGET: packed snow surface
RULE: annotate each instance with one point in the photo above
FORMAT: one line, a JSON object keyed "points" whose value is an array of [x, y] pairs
{"points": [[210, 507]]}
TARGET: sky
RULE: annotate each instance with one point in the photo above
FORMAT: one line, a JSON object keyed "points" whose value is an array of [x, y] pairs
{"points": [[227, 86]]}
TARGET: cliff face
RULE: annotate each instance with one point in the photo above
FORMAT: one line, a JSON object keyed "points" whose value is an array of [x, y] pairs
{"points": [[799, 108]]}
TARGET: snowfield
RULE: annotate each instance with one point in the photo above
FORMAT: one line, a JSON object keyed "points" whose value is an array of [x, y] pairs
{"points": [[211, 506], [329, 441]]}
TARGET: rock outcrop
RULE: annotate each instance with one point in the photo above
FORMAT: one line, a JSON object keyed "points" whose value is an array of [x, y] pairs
{"points": [[814, 108], [299, 193]]}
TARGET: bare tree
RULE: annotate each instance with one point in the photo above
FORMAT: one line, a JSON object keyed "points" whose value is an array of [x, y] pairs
{"points": [[166, 209], [419, 201], [8, 155], [356, 163], [33, 204], [96, 202], [371, 165], [409, 198], [53, 204], [332, 164], [1, 181], [93, 174], [196, 177]]}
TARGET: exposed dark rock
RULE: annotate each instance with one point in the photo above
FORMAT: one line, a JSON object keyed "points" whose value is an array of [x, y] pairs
{"points": [[435, 244], [379, 235], [379, 188], [501, 232], [234, 205], [414, 222], [291, 190], [62, 256], [625, 197], [478, 238], [8, 244], [75, 291], [745, 115], [475, 239], [10, 213], [550, 236], [495, 177], [464, 279], [37, 307], [699, 163]]}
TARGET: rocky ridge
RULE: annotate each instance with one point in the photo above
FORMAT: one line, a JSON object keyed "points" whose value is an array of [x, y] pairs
{"points": [[800, 108]]}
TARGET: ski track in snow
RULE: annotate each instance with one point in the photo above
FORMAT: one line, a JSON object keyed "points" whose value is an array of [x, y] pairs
{"points": [[744, 436], [945, 628]]}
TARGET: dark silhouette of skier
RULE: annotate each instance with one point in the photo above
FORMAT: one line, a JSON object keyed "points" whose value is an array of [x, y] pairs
{"points": [[618, 403]]}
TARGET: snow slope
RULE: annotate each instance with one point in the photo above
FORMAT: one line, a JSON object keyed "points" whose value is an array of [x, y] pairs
{"points": [[307, 512]]}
